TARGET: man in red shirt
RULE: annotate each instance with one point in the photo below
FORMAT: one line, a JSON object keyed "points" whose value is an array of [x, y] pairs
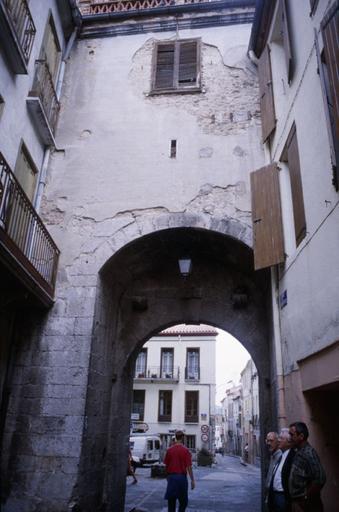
{"points": [[178, 462]]}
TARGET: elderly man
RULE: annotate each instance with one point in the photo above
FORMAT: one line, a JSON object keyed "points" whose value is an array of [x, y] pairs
{"points": [[278, 495], [275, 452], [307, 476]]}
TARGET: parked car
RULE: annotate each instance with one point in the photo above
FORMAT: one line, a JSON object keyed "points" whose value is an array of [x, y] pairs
{"points": [[146, 448]]}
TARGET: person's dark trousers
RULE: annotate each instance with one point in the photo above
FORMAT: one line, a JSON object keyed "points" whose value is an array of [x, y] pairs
{"points": [[182, 504], [277, 502]]}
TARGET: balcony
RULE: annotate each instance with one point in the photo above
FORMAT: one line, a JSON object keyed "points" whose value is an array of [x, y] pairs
{"points": [[17, 32], [157, 374], [192, 374], [43, 103], [26, 247], [93, 7]]}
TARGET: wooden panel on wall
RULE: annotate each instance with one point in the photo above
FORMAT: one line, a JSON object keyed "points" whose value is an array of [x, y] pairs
{"points": [[266, 216]]}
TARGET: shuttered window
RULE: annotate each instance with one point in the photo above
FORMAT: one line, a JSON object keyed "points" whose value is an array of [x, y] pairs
{"points": [[266, 94], [329, 73], [165, 406], [191, 406], [176, 66], [287, 41], [266, 214], [291, 156]]}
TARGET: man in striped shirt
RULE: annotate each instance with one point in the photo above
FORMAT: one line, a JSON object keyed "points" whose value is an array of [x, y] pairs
{"points": [[307, 476]]}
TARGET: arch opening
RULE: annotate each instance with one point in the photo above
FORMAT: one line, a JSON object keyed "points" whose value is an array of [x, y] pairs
{"points": [[141, 293]]}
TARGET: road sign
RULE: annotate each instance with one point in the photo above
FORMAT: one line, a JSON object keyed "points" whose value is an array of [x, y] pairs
{"points": [[204, 429], [204, 438]]}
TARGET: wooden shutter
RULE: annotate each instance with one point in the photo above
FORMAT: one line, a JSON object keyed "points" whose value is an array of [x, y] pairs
{"points": [[164, 66], [188, 59], [330, 33], [287, 41], [266, 216], [291, 154], [266, 94]]}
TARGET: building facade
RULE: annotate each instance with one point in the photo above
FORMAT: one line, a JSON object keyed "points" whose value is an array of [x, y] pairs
{"points": [[232, 409], [250, 412], [133, 128], [297, 47], [174, 385]]}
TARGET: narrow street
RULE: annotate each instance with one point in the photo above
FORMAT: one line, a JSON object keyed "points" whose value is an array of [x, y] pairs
{"points": [[226, 487]]}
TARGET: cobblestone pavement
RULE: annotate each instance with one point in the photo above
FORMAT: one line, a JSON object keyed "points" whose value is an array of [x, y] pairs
{"points": [[227, 486]]}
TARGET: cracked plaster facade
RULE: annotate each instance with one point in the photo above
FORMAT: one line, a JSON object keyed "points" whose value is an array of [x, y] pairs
{"points": [[110, 183]]}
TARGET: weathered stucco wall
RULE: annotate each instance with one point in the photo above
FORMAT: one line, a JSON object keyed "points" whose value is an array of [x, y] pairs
{"points": [[110, 182]]}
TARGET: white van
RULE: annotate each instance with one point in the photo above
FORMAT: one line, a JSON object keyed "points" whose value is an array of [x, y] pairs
{"points": [[146, 447]]}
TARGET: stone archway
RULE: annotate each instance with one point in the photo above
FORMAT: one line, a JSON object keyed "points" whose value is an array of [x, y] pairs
{"points": [[142, 292]]}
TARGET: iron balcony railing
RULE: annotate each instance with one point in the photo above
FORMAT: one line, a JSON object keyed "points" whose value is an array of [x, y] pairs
{"points": [[99, 7], [43, 88], [192, 373], [22, 23], [156, 373], [23, 233]]}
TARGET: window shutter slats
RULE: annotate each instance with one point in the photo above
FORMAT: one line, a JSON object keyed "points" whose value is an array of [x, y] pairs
{"points": [[296, 186], [187, 63], [266, 94], [330, 32], [266, 216], [287, 42], [164, 73]]}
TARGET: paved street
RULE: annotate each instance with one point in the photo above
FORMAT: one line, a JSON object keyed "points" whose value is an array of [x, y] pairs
{"points": [[226, 487]]}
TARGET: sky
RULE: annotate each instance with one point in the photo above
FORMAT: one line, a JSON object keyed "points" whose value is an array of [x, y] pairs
{"points": [[231, 358]]}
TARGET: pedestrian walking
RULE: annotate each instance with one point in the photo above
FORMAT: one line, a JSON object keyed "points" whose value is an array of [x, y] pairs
{"points": [[275, 453], [178, 461], [130, 468], [278, 494], [307, 476]]}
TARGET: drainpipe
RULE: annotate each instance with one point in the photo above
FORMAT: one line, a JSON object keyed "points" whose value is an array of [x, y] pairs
{"points": [[281, 411], [47, 153]]}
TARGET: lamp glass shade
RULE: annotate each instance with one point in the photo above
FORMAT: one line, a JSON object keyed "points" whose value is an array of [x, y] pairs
{"points": [[185, 265]]}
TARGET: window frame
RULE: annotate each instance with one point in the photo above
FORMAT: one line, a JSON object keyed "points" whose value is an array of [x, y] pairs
{"points": [[176, 88], [165, 418], [142, 373], [171, 371], [188, 350], [141, 392], [192, 418]]}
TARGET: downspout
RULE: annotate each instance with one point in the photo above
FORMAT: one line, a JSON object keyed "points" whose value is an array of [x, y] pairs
{"points": [[47, 153]]}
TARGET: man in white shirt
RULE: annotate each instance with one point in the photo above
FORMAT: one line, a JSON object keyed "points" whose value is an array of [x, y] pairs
{"points": [[278, 497]]}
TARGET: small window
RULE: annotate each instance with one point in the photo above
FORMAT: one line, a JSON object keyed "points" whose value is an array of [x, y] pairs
{"points": [[141, 364], [176, 66], [167, 359], [190, 442], [157, 445], [290, 155], [192, 407], [26, 172], [138, 405], [192, 364], [165, 406]]}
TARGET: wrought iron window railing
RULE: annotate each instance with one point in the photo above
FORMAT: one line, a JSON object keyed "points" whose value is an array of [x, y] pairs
{"points": [[23, 232], [43, 88], [192, 373], [156, 372], [22, 23], [99, 7]]}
